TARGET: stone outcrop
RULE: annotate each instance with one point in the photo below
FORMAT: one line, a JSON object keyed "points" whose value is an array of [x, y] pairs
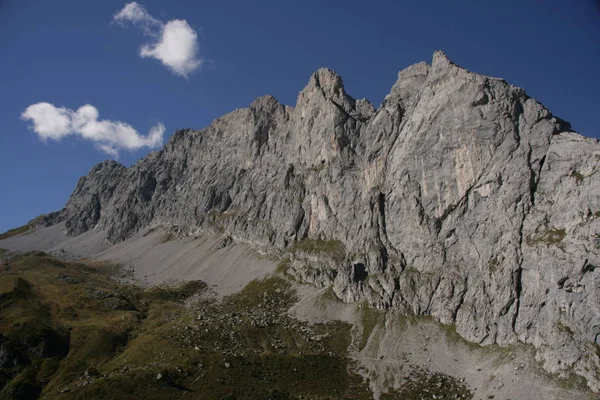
{"points": [[459, 197]]}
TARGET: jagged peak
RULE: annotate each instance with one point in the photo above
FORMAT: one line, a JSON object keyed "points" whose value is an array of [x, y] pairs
{"points": [[327, 80], [106, 165], [440, 58], [265, 103], [409, 82], [441, 62], [365, 107], [412, 77], [421, 68]]}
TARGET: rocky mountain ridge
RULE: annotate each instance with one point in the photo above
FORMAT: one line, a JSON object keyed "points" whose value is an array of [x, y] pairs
{"points": [[459, 197]]}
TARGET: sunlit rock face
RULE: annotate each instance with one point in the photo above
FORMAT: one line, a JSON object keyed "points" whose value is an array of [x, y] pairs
{"points": [[459, 197]]}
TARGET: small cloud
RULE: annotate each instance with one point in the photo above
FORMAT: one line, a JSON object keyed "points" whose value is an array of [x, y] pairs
{"points": [[174, 43], [51, 122], [133, 12], [177, 48], [137, 14]]}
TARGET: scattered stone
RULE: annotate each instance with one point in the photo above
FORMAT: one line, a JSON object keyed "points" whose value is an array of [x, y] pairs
{"points": [[226, 241]]}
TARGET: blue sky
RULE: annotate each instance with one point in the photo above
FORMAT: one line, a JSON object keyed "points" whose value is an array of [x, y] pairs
{"points": [[70, 53]]}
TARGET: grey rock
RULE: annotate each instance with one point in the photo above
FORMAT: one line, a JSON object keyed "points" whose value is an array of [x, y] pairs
{"points": [[226, 241], [94, 190], [460, 197], [50, 219], [99, 294], [8, 356]]}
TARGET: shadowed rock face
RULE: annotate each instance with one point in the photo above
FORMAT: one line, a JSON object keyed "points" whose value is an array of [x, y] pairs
{"points": [[460, 197]]}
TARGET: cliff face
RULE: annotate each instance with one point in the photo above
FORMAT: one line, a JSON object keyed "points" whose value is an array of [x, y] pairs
{"points": [[460, 197]]}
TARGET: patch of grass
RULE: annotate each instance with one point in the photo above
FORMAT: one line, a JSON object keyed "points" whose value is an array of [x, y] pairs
{"points": [[16, 231], [23, 386], [283, 266], [578, 176], [52, 326], [172, 344], [317, 168], [500, 353], [167, 237], [243, 347], [565, 328], [258, 291], [177, 293], [422, 384], [453, 337], [572, 381], [550, 237], [330, 248], [493, 264], [106, 269]]}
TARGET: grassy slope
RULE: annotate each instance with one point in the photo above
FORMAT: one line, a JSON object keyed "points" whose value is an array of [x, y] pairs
{"points": [[16, 231], [78, 335]]}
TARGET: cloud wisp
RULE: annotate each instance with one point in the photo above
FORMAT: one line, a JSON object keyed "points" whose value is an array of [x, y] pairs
{"points": [[55, 123], [174, 43]]}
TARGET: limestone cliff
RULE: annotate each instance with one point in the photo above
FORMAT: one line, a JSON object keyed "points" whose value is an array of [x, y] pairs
{"points": [[460, 197]]}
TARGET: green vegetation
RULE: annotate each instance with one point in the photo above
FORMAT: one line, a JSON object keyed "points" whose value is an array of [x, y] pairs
{"points": [[493, 264], [572, 381], [549, 237], [578, 176], [175, 293], [167, 237], [74, 333], [16, 231], [317, 168], [331, 248], [79, 335], [453, 337], [283, 266], [421, 384], [565, 328]]}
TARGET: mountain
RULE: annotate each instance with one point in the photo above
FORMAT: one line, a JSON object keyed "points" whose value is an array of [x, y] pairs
{"points": [[460, 197]]}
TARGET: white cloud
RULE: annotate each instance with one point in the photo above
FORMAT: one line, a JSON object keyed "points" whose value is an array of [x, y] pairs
{"points": [[137, 14], [134, 12], [177, 48], [174, 43], [50, 122]]}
